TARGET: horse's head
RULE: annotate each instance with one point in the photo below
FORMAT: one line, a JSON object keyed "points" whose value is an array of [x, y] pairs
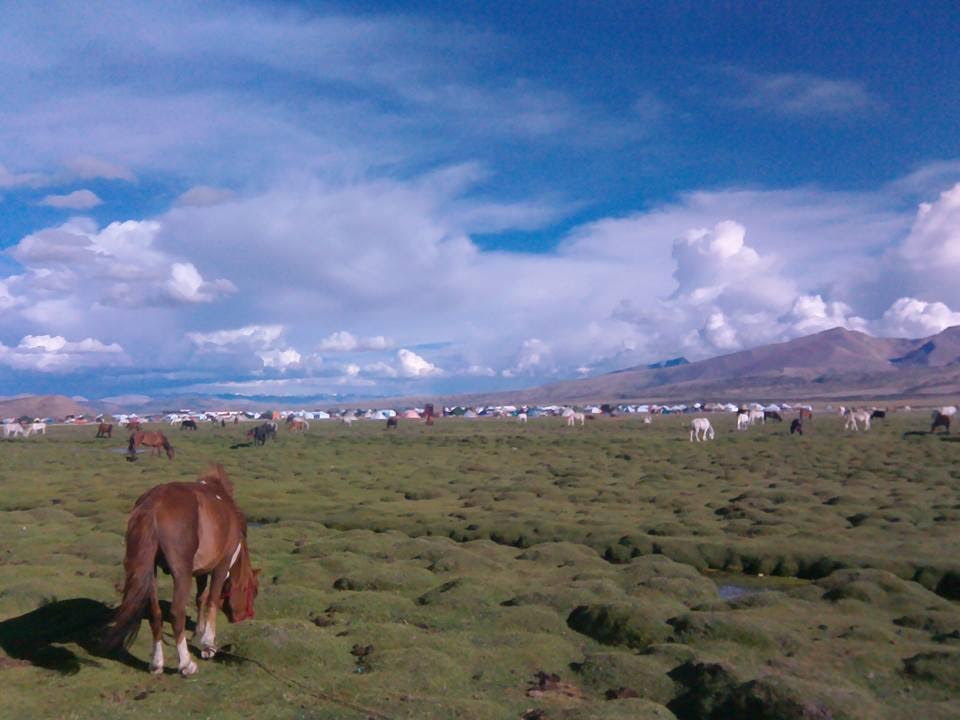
{"points": [[169, 448], [241, 589]]}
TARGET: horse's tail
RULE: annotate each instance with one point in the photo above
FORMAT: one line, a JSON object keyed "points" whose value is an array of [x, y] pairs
{"points": [[132, 447], [138, 585]]}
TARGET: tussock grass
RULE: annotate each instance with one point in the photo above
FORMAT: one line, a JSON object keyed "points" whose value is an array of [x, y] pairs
{"points": [[475, 553]]}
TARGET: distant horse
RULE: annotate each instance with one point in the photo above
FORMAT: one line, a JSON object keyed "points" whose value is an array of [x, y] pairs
{"points": [[392, 422], [13, 429], [37, 428], [805, 414], [259, 434], [772, 415], [188, 425], [857, 416], [648, 420], [298, 425], [796, 427], [941, 420], [522, 418], [134, 425], [878, 415], [743, 421], [756, 415], [105, 430], [347, 420], [701, 425], [576, 417], [153, 440], [188, 530]]}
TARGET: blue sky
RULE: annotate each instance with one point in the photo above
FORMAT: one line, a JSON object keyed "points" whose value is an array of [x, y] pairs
{"points": [[383, 198]]}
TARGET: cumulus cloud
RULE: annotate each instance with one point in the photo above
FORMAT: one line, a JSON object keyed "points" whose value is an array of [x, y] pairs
{"points": [[46, 353], [280, 359], [343, 341], [934, 239], [912, 318], [118, 265], [811, 314], [412, 365], [76, 200]]}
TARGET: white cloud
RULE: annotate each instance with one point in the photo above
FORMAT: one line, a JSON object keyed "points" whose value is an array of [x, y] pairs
{"points": [[10, 179], [801, 94], [204, 196], [280, 359], [76, 200], [343, 341], [259, 337], [46, 353], [912, 318], [88, 167], [187, 285], [934, 239], [811, 314], [412, 365]]}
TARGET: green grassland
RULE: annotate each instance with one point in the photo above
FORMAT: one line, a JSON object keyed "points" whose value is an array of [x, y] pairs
{"points": [[474, 554]]}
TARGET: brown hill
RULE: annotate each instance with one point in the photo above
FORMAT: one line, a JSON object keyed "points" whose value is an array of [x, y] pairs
{"points": [[42, 406], [835, 363]]}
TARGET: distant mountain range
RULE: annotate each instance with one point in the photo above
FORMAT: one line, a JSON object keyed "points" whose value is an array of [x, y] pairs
{"points": [[834, 364]]}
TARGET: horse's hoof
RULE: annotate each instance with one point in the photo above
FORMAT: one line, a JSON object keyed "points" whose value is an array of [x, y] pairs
{"points": [[156, 669], [189, 669], [208, 652]]}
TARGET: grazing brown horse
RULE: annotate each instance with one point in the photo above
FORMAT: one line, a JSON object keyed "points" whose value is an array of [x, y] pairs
{"points": [[189, 530], [105, 430], [153, 439], [134, 425]]}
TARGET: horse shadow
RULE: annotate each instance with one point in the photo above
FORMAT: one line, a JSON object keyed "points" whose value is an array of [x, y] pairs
{"points": [[237, 446], [40, 636]]}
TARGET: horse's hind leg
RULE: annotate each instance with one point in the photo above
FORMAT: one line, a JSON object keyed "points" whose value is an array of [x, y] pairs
{"points": [[202, 594], [181, 592], [156, 627]]}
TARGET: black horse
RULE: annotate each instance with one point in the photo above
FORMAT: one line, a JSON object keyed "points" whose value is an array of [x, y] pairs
{"points": [[941, 420], [878, 415], [391, 422], [188, 425], [772, 415], [796, 427], [260, 433]]}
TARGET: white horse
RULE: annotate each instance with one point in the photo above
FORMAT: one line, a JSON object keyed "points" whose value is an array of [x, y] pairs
{"points": [[743, 421], [13, 429], [576, 417], [648, 420], [949, 411], [755, 415], [37, 428], [701, 425], [522, 418], [347, 420], [855, 416]]}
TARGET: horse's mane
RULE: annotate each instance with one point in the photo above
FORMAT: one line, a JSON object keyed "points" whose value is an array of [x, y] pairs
{"points": [[216, 475]]}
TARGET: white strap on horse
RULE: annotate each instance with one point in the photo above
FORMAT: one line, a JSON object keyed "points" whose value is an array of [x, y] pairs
{"points": [[233, 560]]}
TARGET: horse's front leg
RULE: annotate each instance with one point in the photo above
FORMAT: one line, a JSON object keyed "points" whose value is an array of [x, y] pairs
{"points": [[178, 611], [208, 640]]}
